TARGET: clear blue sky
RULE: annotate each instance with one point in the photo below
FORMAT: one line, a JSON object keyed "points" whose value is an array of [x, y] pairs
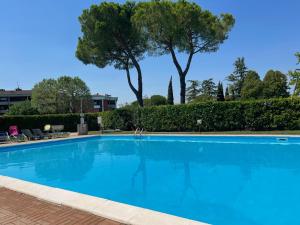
{"points": [[38, 40]]}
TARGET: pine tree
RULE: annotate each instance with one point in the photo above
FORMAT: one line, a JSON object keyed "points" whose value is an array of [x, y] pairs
{"points": [[170, 99], [208, 88], [193, 90], [220, 92], [237, 77]]}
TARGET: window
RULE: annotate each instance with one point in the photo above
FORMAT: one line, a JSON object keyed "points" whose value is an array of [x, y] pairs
{"points": [[111, 102], [3, 99]]}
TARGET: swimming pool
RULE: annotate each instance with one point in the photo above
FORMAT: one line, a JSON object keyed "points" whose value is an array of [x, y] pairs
{"points": [[217, 180]]}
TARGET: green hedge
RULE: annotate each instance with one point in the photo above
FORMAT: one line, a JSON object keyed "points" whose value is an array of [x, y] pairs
{"points": [[119, 119], [216, 116], [70, 121]]}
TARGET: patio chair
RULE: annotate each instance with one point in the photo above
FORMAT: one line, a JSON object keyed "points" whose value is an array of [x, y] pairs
{"points": [[29, 135], [14, 133], [39, 133], [57, 131], [4, 137]]}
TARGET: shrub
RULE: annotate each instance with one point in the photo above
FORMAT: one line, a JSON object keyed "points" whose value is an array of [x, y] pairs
{"points": [[216, 116], [69, 121], [118, 119]]}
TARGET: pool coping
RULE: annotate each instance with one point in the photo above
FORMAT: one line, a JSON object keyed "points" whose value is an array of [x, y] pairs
{"points": [[162, 134], [108, 209]]}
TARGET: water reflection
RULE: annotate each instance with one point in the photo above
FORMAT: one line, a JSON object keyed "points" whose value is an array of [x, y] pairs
{"points": [[56, 166]]}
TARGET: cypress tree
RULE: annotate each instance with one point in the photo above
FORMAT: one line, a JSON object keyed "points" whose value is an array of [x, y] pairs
{"points": [[227, 97], [220, 92], [170, 99]]}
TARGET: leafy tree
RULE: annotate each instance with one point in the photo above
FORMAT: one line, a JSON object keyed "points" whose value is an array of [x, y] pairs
{"points": [[238, 76], [182, 27], [295, 81], [63, 95], [152, 101], [71, 92], [44, 96], [147, 102], [193, 90], [170, 99], [158, 100], [220, 92], [22, 108], [110, 38], [252, 86], [275, 85], [295, 78]]}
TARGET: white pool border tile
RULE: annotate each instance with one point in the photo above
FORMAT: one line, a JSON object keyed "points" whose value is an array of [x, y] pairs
{"points": [[12, 144], [119, 212]]}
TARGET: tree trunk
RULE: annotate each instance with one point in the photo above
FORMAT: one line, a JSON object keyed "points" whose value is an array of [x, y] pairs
{"points": [[182, 89], [140, 100], [138, 92], [182, 73]]}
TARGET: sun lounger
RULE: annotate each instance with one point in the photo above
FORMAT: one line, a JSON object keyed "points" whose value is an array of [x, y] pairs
{"points": [[55, 131], [39, 133], [4, 137], [29, 135]]}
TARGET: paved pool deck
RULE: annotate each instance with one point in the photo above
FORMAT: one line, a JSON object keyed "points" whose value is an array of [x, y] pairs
{"points": [[21, 209]]}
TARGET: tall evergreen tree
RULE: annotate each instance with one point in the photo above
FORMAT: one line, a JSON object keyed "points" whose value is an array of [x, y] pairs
{"points": [[193, 90], [208, 88], [227, 97], [237, 77], [220, 92], [170, 99], [298, 57], [109, 38]]}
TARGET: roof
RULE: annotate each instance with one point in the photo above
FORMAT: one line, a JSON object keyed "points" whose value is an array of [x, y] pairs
{"points": [[103, 97], [10, 93]]}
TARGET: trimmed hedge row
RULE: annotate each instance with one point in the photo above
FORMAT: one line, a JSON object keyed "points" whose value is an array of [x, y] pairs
{"points": [[70, 121], [216, 116]]}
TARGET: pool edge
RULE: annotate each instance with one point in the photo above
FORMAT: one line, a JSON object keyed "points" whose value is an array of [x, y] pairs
{"points": [[116, 211], [167, 135]]}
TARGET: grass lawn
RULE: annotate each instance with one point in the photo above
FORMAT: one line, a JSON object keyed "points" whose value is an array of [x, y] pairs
{"points": [[274, 132]]}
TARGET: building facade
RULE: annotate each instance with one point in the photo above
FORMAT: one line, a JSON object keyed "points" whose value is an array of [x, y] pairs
{"points": [[8, 98], [104, 102]]}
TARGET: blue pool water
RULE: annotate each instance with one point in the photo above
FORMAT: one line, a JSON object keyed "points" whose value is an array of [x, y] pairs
{"points": [[218, 180]]}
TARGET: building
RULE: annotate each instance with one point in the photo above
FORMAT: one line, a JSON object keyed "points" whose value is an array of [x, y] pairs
{"points": [[8, 98], [104, 102]]}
